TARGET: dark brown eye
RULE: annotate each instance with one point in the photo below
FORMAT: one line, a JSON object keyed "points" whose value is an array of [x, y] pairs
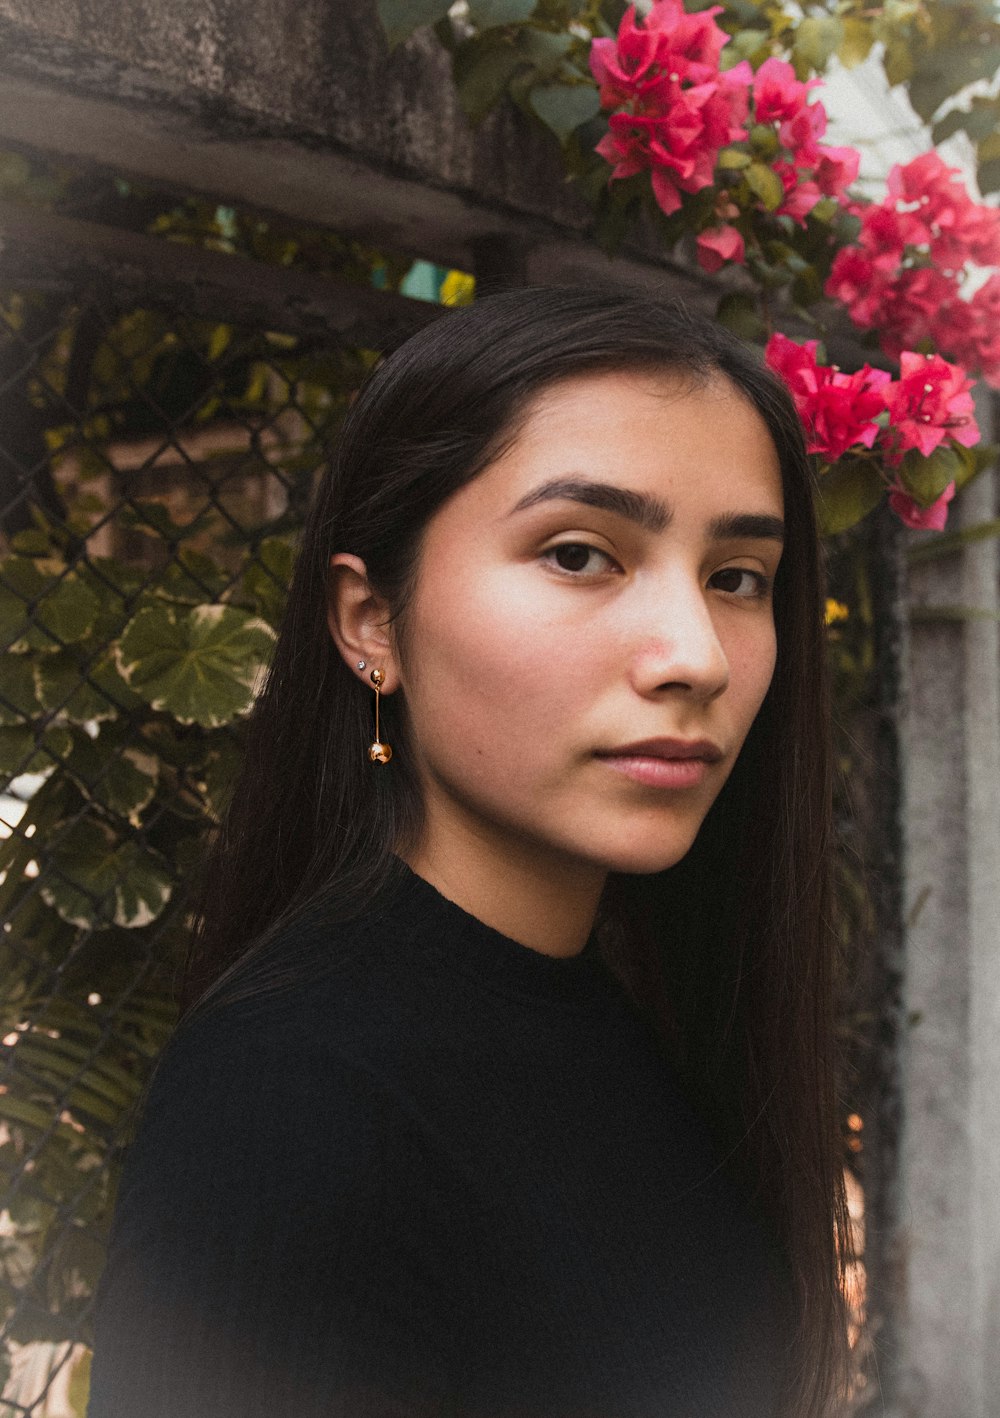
{"points": [[572, 556], [739, 581]]}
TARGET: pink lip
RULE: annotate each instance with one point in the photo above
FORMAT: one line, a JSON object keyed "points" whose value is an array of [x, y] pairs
{"points": [[664, 763]]}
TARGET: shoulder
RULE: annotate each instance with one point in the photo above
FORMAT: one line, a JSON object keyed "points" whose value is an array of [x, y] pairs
{"points": [[282, 1068]]}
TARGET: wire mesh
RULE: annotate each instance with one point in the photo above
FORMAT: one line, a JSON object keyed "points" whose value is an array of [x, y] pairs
{"points": [[153, 471]]}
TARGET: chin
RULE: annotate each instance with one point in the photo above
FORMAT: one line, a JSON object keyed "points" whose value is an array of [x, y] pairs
{"points": [[646, 857]]}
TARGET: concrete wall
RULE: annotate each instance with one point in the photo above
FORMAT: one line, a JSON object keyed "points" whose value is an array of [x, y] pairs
{"points": [[948, 1321], [299, 108]]}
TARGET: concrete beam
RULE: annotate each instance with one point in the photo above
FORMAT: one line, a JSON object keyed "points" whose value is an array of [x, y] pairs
{"points": [[42, 249], [300, 110]]}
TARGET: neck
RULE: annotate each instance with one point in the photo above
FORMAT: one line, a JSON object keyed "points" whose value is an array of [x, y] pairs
{"points": [[542, 900]]}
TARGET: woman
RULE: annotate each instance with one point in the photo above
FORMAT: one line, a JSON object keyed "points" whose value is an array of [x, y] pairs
{"points": [[505, 1083]]}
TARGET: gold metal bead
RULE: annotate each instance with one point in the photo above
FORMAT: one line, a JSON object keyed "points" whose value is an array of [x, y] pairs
{"points": [[377, 676], [380, 752]]}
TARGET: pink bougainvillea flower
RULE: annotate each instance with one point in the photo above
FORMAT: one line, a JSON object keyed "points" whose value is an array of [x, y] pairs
{"points": [[909, 510], [680, 144], [855, 281], [930, 403], [625, 67], [676, 109], [839, 411], [801, 135], [982, 348], [835, 170], [801, 195], [796, 363], [696, 38], [778, 95], [718, 245], [886, 233], [669, 48], [913, 307]]}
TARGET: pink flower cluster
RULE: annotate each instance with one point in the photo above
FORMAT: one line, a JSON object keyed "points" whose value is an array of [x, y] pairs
{"points": [[903, 276], [679, 109], [673, 110], [810, 170], [926, 407]]}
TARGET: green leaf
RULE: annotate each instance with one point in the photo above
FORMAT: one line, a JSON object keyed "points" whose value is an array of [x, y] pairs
{"points": [[988, 175], [79, 695], [926, 478], [897, 61], [947, 70], [979, 121], [218, 774], [18, 689], [20, 1110], [817, 38], [745, 44], [849, 491], [154, 519], [191, 578], [42, 604], [201, 665], [739, 312], [564, 107], [92, 879], [765, 184], [483, 69], [23, 751], [545, 50], [267, 576], [63, 1059], [734, 159], [399, 18], [121, 779], [486, 13], [857, 41], [764, 141]]}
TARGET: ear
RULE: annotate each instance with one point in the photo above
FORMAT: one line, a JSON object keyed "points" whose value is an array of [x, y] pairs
{"points": [[359, 621]]}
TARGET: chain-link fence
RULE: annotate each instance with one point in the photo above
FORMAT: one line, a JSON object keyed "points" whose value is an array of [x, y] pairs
{"points": [[154, 469]]}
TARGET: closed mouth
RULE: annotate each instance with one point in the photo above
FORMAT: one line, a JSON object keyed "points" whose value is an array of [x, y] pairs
{"points": [[670, 749]]}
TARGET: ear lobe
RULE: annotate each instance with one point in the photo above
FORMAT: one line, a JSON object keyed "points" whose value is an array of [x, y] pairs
{"points": [[358, 617]]}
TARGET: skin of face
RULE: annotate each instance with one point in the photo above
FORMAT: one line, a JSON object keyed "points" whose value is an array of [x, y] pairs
{"points": [[540, 638]]}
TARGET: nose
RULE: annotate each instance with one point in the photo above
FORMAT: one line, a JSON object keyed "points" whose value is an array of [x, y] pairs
{"points": [[681, 649]]}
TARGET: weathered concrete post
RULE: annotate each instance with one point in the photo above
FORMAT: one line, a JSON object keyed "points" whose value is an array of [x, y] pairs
{"points": [[948, 1317]]}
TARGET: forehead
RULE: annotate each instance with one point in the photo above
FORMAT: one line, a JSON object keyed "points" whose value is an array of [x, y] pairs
{"points": [[660, 432]]}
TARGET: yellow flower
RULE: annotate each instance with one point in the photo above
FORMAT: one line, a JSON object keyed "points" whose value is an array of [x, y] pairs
{"points": [[835, 610], [457, 288]]}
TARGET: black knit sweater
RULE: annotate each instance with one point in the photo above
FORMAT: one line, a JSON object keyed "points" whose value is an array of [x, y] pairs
{"points": [[443, 1174]]}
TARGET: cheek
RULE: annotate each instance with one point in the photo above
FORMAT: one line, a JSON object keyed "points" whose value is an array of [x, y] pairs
{"points": [[751, 664], [488, 668]]}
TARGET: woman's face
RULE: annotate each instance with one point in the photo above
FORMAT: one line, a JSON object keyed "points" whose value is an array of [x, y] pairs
{"points": [[592, 632]]}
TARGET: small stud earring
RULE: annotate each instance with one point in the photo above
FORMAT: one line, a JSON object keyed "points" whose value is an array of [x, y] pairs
{"points": [[361, 664], [378, 752]]}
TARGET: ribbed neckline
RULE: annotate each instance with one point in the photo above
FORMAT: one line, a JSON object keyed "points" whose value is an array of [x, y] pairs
{"points": [[465, 943]]}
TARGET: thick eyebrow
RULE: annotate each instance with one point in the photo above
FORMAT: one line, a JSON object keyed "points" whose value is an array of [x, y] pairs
{"points": [[650, 512], [747, 527]]}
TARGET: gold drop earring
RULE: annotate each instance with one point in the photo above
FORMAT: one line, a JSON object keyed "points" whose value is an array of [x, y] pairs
{"points": [[378, 752]]}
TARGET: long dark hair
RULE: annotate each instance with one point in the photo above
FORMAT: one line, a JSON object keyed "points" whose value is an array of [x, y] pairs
{"points": [[729, 953]]}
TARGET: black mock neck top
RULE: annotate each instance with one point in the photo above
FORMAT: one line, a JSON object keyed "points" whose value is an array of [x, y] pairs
{"points": [[440, 1173]]}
